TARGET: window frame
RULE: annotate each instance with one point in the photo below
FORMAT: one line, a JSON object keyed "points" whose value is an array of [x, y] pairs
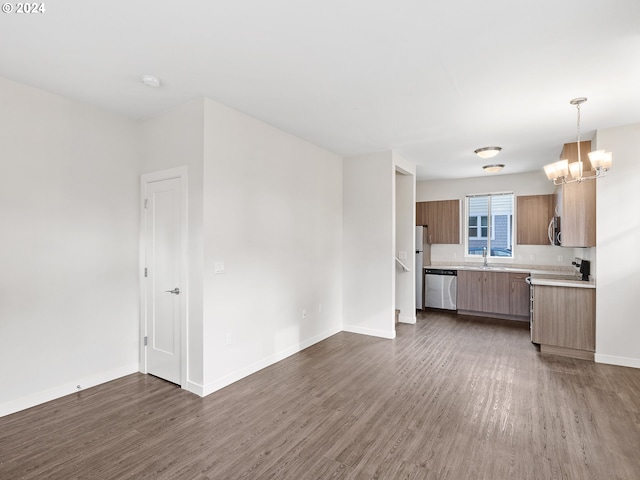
{"points": [[491, 220]]}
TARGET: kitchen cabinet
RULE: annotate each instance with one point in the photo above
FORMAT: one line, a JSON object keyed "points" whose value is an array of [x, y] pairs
{"points": [[519, 295], [533, 215], [421, 214], [578, 214], [564, 320], [443, 219], [576, 203], [470, 290], [484, 292]]}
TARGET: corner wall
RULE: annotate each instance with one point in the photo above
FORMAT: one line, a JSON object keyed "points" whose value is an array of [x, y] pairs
{"points": [[618, 250], [369, 242], [69, 246], [405, 238], [273, 216]]}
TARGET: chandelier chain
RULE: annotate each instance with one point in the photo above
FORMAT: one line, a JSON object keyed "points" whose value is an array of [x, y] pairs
{"points": [[578, 142]]}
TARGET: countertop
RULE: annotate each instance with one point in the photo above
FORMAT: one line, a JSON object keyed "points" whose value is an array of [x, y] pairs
{"points": [[540, 274]]}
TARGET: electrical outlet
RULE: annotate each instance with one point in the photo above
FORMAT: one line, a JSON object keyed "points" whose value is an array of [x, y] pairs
{"points": [[304, 313], [218, 268], [560, 258], [402, 255]]}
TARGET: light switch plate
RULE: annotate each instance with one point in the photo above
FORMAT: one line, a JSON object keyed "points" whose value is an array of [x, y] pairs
{"points": [[218, 268]]}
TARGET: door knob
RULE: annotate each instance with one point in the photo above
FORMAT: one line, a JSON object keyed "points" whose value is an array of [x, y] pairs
{"points": [[175, 291]]}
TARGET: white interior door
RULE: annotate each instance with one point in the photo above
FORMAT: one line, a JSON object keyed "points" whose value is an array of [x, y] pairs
{"points": [[164, 294]]}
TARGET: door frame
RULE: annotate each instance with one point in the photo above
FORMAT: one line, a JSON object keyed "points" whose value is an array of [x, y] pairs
{"points": [[180, 173]]}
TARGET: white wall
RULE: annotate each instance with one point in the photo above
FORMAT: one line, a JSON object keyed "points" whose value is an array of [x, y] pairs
{"points": [[534, 183], [173, 139], [405, 238], [618, 250], [69, 246], [273, 215], [369, 240]]}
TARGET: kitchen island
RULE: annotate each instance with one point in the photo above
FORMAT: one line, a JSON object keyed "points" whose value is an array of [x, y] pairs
{"points": [[563, 317]]}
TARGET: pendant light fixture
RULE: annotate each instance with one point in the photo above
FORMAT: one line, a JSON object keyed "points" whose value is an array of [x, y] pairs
{"points": [[564, 172]]}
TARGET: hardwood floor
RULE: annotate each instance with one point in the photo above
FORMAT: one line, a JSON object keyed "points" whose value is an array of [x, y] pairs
{"points": [[450, 398]]}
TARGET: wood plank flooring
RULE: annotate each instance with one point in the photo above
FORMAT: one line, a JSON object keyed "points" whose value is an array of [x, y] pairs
{"points": [[451, 397]]}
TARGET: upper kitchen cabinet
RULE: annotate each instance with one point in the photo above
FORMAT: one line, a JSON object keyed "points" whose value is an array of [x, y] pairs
{"points": [[534, 213], [421, 214], [576, 203], [442, 218]]}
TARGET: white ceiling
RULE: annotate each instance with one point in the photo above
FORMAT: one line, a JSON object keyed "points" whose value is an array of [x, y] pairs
{"points": [[433, 80]]}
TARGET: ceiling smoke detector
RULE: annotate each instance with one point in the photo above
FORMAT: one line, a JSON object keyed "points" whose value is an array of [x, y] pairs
{"points": [[150, 81]]}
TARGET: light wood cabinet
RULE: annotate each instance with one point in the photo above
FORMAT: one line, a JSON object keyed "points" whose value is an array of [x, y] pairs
{"points": [[486, 292], [578, 214], [470, 290], [577, 203], [443, 220], [533, 215], [564, 320], [519, 295], [421, 213]]}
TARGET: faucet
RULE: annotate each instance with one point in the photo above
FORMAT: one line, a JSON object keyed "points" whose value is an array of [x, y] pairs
{"points": [[484, 255]]}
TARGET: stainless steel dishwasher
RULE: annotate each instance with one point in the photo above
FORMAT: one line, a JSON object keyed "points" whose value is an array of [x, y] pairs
{"points": [[441, 288]]}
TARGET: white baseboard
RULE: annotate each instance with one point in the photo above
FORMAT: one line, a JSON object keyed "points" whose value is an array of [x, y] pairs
{"points": [[620, 361], [407, 319], [372, 332], [28, 401], [265, 362], [194, 387]]}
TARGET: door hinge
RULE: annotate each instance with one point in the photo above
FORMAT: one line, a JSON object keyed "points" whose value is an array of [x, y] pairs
{"points": [[145, 341], [145, 271], [146, 203]]}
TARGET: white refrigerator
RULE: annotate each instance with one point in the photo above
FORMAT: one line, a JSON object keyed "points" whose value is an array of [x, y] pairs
{"points": [[420, 236]]}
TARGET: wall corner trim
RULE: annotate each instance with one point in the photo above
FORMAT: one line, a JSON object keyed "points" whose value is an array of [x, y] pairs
{"points": [[388, 334]]}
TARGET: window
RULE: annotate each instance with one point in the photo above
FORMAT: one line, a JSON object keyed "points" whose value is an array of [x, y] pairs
{"points": [[478, 227], [489, 224]]}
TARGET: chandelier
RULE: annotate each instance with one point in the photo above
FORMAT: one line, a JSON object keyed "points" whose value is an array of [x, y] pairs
{"points": [[564, 172]]}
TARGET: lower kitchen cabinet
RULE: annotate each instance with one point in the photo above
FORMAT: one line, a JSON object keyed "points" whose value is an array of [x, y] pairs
{"points": [[564, 320], [483, 292], [470, 290], [519, 295]]}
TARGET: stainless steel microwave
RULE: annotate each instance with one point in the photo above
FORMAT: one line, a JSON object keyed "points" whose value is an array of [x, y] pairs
{"points": [[554, 231]]}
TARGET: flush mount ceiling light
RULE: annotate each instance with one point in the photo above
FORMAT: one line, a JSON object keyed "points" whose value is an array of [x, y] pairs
{"points": [[487, 152], [494, 168], [564, 172], [150, 81]]}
